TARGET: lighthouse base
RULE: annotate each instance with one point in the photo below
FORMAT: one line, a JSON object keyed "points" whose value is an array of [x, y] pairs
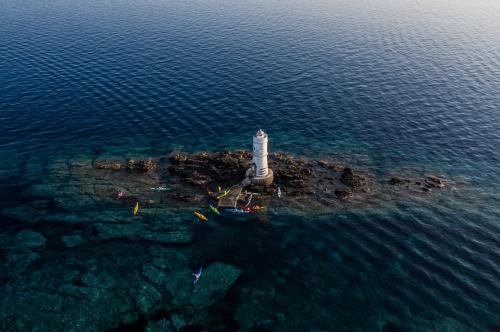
{"points": [[262, 180]]}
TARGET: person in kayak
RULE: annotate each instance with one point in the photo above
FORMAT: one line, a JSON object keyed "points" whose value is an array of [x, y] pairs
{"points": [[119, 195], [197, 275]]}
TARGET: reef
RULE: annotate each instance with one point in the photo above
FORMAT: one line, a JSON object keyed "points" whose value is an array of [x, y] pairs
{"points": [[53, 279], [306, 185]]}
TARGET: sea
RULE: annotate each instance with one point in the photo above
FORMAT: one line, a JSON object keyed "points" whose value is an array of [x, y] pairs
{"points": [[385, 86]]}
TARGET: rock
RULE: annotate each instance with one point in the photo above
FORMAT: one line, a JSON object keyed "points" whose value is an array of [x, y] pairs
{"points": [[393, 327], [179, 284], [256, 307], [71, 276], [145, 165], [434, 181], [447, 325], [336, 167], [343, 194], [24, 214], [42, 190], [178, 158], [198, 181], [102, 280], [148, 165], [153, 274], [71, 241], [398, 180], [168, 237], [105, 164], [213, 284], [162, 325], [142, 232], [18, 261], [29, 239], [147, 297], [178, 322], [189, 198], [168, 258], [355, 181], [70, 290], [322, 163]]}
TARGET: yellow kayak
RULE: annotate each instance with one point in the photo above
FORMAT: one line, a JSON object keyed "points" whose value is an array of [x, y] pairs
{"points": [[200, 216], [223, 194], [136, 208], [214, 209]]}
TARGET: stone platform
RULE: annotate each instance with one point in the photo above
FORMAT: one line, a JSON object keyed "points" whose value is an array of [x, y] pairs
{"points": [[231, 200]]}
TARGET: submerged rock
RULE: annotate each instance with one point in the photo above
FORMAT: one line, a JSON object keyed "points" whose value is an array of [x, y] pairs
{"points": [[147, 297], [154, 274], [178, 322], [179, 285], [169, 258], [162, 325], [213, 284], [71, 241], [449, 325], [101, 280], [432, 181], [18, 261], [343, 194], [142, 232], [28, 238], [398, 180]]}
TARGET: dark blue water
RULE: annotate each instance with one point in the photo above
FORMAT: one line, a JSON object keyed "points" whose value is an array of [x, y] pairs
{"points": [[388, 86]]}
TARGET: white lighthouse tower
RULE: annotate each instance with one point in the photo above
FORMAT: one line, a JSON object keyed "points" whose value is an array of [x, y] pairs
{"points": [[260, 173]]}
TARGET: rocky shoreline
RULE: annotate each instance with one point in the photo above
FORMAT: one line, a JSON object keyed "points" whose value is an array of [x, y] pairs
{"points": [[300, 180]]}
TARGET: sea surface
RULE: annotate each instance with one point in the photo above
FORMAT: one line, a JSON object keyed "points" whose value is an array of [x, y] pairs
{"points": [[387, 86]]}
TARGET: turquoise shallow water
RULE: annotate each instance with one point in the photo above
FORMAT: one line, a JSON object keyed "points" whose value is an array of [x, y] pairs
{"points": [[389, 87]]}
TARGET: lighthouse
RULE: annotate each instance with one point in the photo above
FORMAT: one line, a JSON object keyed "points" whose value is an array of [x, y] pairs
{"points": [[260, 173]]}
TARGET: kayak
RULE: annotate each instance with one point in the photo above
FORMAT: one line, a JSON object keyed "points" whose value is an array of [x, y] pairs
{"points": [[237, 211], [136, 208], [252, 209], [248, 209], [200, 216], [258, 207], [214, 209], [223, 194], [162, 189], [279, 192]]}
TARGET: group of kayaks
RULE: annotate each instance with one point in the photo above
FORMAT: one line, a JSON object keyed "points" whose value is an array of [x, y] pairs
{"points": [[240, 210], [220, 194], [223, 193]]}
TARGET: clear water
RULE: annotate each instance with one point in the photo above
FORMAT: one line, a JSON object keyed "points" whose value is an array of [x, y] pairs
{"points": [[388, 86]]}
